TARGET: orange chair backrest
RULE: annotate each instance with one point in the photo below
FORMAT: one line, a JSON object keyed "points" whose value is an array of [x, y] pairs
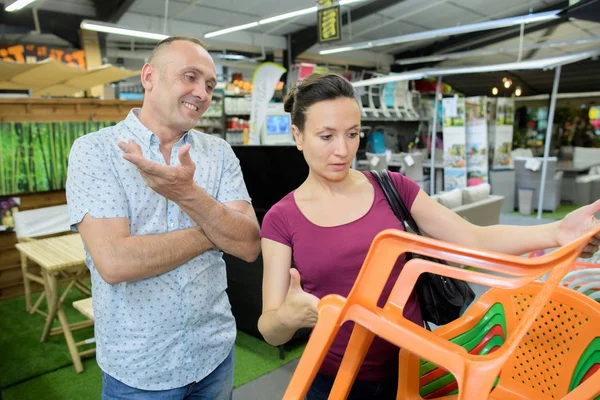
{"points": [[549, 355]]}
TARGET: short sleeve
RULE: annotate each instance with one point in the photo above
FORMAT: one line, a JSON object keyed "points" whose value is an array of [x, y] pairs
{"points": [[232, 186], [92, 186], [407, 188], [274, 227]]}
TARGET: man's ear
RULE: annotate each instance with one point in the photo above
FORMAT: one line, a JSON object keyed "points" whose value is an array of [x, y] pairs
{"points": [[146, 76]]}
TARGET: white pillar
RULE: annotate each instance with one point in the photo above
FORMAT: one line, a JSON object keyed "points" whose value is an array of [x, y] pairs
{"points": [[433, 140], [548, 140]]}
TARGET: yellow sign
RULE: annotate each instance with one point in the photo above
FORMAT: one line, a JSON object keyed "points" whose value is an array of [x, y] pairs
{"points": [[329, 23]]}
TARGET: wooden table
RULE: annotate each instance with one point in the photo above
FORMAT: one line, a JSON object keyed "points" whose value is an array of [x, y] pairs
{"points": [[59, 257]]}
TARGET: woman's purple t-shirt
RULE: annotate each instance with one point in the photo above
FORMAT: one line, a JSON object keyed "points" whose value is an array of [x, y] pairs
{"points": [[330, 258]]}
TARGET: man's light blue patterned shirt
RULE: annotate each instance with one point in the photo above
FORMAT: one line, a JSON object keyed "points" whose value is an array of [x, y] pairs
{"points": [[176, 328]]}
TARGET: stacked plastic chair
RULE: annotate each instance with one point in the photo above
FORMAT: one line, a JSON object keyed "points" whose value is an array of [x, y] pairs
{"points": [[488, 350], [584, 276]]}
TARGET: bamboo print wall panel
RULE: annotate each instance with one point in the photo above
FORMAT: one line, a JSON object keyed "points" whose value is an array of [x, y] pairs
{"points": [[34, 155]]}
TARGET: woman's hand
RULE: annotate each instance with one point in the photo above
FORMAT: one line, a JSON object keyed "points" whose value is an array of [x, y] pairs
{"points": [[299, 309], [578, 223]]}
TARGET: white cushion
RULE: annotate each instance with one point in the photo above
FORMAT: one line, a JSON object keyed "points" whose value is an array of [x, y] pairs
{"points": [[42, 221], [595, 170], [586, 178], [477, 193], [451, 199]]}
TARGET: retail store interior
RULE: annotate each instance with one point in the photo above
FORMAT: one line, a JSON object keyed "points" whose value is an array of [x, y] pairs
{"points": [[491, 107]]}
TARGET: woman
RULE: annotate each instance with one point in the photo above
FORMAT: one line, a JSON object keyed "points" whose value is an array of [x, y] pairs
{"points": [[327, 225]]}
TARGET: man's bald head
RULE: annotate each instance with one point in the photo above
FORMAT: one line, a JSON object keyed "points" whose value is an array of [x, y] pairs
{"points": [[163, 44]]}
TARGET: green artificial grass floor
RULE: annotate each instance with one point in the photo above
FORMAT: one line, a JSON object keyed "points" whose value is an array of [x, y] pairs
{"points": [[30, 369], [560, 212]]}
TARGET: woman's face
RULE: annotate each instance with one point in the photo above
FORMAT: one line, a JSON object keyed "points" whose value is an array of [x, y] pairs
{"points": [[330, 138]]}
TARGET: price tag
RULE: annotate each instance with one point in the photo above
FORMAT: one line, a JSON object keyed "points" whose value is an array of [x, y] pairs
{"points": [[374, 161], [450, 107]]}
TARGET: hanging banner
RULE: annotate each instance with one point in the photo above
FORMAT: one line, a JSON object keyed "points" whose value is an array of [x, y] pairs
{"points": [[265, 78], [329, 22], [477, 141], [503, 134], [455, 143]]}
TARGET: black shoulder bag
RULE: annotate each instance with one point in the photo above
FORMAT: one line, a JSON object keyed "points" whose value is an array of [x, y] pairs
{"points": [[442, 299]]}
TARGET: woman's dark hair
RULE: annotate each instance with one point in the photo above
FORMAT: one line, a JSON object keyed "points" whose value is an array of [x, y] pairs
{"points": [[315, 88]]}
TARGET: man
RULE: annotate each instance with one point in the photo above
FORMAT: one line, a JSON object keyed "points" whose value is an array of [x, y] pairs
{"points": [[154, 229]]}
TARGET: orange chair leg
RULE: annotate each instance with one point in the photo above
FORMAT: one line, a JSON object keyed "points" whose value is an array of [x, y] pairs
{"points": [[359, 342], [321, 339]]}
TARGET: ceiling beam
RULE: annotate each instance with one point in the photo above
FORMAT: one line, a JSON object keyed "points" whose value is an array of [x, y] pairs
{"points": [[65, 26], [111, 10], [472, 41], [304, 39]]}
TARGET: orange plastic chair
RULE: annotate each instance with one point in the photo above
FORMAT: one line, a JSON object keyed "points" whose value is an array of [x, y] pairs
{"points": [[475, 374], [558, 358]]}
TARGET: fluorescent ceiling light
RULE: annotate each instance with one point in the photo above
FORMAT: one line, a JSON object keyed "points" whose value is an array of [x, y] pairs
{"points": [[405, 76], [107, 28], [445, 32], [543, 63], [17, 5], [232, 29], [229, 56], [275, 18], [288, 15]]}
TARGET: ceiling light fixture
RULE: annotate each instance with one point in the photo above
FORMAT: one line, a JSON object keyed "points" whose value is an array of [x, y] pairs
{"points": [[288, 15], [108, 28], [275, 18], [445, 32], [17, 5], [495, 91], [518, 92], [232, 29]]}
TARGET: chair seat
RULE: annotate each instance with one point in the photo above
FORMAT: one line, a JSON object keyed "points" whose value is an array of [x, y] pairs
{"points": [[85, 307]]}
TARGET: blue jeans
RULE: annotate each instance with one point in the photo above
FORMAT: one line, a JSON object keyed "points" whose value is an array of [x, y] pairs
{"points": [[218, 385], [361, 390]]}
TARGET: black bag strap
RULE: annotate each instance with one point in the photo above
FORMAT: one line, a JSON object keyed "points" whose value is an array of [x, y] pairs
{"points": [[395, 201]]}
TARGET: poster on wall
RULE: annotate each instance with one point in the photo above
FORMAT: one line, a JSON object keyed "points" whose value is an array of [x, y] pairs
{"points": [[9, 206], [503, 135], [477, 140], [34, 155], [455, 143]]}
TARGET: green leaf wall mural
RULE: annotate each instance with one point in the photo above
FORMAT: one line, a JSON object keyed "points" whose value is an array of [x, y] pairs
{"points": [[34, 155]]}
